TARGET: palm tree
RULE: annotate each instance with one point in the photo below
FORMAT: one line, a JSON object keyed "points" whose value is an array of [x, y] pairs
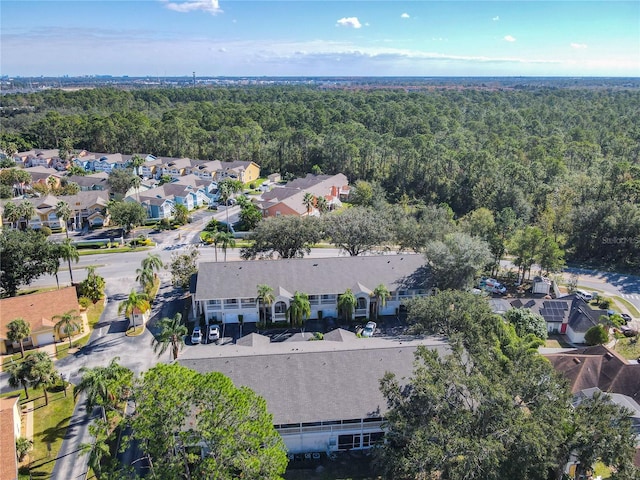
{"points": [[180, 214], [99, 449], [63, 212], [322, 205], [346, 304], [266, 298], [299, 309], [135, 301], [226, 240], [308, 200], [135, 183], [12, 214], [26, 211], [136, 162], [67, 251], [19, 376], [41, 372], [381, 294], [172, 333], [146, 278], [152, 262], [104, 386], [67, 323], [18, 330]]}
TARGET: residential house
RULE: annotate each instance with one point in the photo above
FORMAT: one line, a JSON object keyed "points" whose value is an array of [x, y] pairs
{"points": [[44, 213], [324, 395], [246, 172], [150, 167], [160, 201], [37, 158], [226, 291], [110, 161], [598, 368], [9, 433], [556, 312], [157, 207], [581, 318], [44, 175], [175, 167], [288, 200], [38, 310], [89, 208], [95, 181]]}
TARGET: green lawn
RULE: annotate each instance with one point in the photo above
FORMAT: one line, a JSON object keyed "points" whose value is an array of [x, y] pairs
{"points": [[49, 425], [628, 347]]}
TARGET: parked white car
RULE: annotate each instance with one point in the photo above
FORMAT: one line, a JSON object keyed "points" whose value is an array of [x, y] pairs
{"points": [[196, 336], [214, 333], [369, 329]]}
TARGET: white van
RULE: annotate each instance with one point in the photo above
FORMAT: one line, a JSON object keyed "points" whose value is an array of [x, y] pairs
{"points": [[586, 296]]}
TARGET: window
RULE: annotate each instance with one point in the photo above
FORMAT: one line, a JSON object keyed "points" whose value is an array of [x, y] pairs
{"points": [[347, 442], [373, 438], [314, 299], [230, 303], [361, 303], [328, 299], [214, 304], [248, 303]]}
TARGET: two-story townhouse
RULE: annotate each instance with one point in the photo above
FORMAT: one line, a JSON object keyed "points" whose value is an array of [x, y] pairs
{"points": [[37, 158], [203, 189], [109, 161], [174, 167], [246, 172], [227, 291], [89, 208], [157, 207], [44, 175]]}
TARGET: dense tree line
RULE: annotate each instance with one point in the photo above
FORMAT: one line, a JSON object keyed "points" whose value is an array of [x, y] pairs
{"points": [[565, 160], [493, 408]]}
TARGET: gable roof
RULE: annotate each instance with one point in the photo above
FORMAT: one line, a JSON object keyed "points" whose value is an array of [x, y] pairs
{"points": [[583, 317], [329, 380], [37, 308], [600, 367], [8, 458], [314, 276]]}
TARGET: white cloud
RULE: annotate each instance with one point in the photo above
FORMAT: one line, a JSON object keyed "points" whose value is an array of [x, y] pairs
{"points": [[405, 15], [211, 6], [496, 18], [578, 45], [351, 22], [509, 38]]}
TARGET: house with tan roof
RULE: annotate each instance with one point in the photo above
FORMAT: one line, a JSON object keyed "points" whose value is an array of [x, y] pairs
{"points": [[37, 158], [9, 433], [288, 200], [37, 310]]}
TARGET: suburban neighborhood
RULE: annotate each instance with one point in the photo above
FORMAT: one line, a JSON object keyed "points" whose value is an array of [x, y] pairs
{"points": [[351, 279]]}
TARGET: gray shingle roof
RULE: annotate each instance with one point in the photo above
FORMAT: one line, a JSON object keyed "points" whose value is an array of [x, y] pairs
{"points": [[317, 276], [316, 380]]}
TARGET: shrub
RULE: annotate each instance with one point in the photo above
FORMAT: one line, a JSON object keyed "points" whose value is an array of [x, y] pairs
{"points": [[604, 303], [252, 185], [23, 445], [45, 230], [597, 335], [84, 302]]}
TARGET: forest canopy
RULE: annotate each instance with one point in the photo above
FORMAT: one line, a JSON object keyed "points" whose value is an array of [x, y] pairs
{"points": [[564, 160]]}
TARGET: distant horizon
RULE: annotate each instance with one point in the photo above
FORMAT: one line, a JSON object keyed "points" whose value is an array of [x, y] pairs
{"points": [[186, 76], [310, 38]]}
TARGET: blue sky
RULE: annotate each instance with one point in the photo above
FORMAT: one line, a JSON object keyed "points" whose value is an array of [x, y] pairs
{"points": [[312, 37]]}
